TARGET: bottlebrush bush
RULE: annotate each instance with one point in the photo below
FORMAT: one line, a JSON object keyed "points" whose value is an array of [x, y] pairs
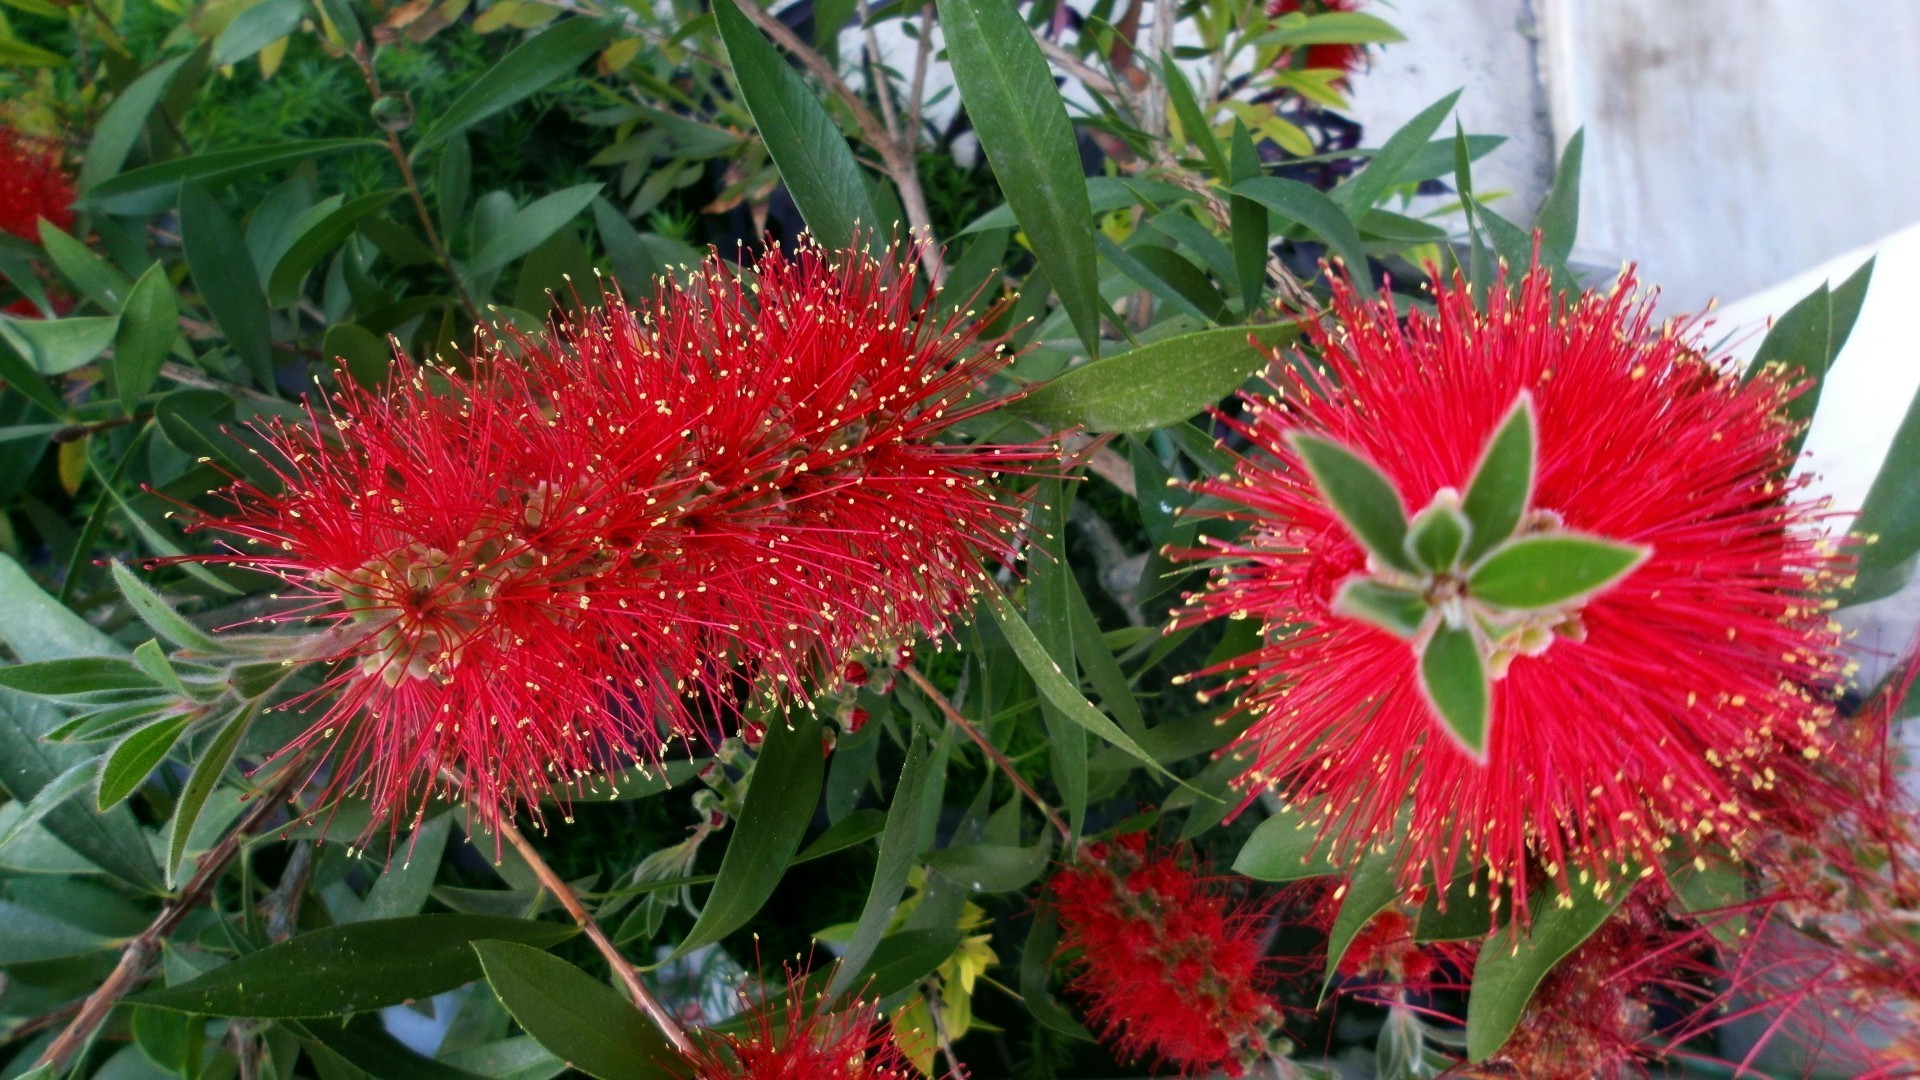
{"points": [[734, 611]]}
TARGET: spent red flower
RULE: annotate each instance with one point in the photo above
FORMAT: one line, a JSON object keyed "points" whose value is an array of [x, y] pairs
{"points": [[1673, 703], [33, 184], [1168, 960], [1343, 57], [588, 543], [797, 1038]]}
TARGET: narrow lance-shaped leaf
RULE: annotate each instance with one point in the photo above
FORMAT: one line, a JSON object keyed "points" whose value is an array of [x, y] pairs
{"points": [[1361, 494], [554, 53], [130, 762], [1453, 675], [200, 785], [1155, 385], [149, 323], [1549, 569], [1510, 970], [575, 1015], [227, 278], [1502, 483], [1400, 612]]}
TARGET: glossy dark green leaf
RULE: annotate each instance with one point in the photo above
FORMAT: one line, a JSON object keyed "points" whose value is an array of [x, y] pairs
{"points": [[1809, 338], [1139, 263], [351, 968], [1193, 123], [1371, 890], [74, 675], [1400, 612], [119, 128], [1502, 484], [227, 279], [149, 323], [17, 372], [1453, 676], [1889, 519], [1320, 215], [96, 278], [1022, 123], [57, 346], [1513, 962], [1360, 494], [257, 27], [366, 357], [899, 849], [1558, 219], [1549, 569], [27, 935], [1287, 846], [576, 1016], [531, 225], [365, 1043], [219, 166], [317, 242], [905, 958], [1249, 226], [201, 784], [1155, 385], [128, 764], [1043, 939], [546, 58], [993, 867], [1050, 620], [1389, 165], [634, 264], [455, 186], [785, 789], [57, 791], [804, 141]]}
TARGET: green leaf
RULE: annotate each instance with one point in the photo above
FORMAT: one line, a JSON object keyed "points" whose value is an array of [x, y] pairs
{"points": [[780, 801], [1400, 612], [1889, 520], [1386, 169], [256, 28], [120, 126], [1320, 215], [149, 323], [1360, 494], [319, 240], [1152, 267], [1558, 219], [899, 847], [1054, 686], [402, 890], [364, 1042], [351, 968], [993, 868], [1809, 337], [804, 141], [1043, 939], [27, 936], [1453, 675], [16, 372], [575, 1015], [1286, 847], [75, 675], [1436, 537], [1331, 28], [1050, 618], [227, 278], [1021, 121], [1371, 890], [544, 59], [1549, 569], [101, 281], [1249, 226], [1502, 483], [201, 784], [1193, 123], [531, 225], [219, 166], [57, 346], [129, 763], [1510, 967], [160, 616], [905, 958], [1155, 385]]}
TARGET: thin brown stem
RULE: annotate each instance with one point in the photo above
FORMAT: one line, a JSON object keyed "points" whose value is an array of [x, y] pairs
{"points": [[940, 1034], [136, 959], [622, 969], [1000, 760]]}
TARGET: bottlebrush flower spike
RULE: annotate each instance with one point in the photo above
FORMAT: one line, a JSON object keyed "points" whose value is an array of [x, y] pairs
{"points": [[1669, 704], [798, 1039], [552, 564], [1171, 966], [33, 185]]}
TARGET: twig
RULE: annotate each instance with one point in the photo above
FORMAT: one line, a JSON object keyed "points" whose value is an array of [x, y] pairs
{"points": [[932, 997], [1000, 760], [136, 959], [623, 970]]}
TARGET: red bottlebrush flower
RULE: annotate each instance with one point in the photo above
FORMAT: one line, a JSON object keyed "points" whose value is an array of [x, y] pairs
{"points": [[798, 1040], [1670, 703], [33, 185], [561, 560], [1170, 964], [1341, 57]]}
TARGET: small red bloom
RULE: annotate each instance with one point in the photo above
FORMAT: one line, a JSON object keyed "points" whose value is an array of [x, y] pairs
{"points": [[1171, 965], [1672, 703], [798, 1040], [556, 562], [33, 185], [1341, 57]]}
